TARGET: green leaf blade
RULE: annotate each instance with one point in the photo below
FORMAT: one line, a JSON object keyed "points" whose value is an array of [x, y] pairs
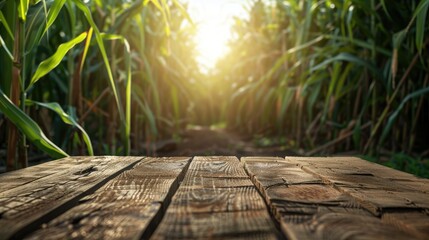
{"points": [[29, 128], [22, 9], [52, 62], [69, 119], [53, 13]]}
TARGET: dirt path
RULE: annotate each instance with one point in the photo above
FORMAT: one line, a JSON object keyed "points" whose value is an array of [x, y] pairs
{"points": [[203, 141]]}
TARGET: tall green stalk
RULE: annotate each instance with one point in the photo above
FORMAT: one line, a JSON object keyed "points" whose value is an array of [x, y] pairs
{"points": [[338, 61]]}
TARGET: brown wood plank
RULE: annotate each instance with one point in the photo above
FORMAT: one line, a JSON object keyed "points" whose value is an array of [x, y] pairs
{"points": [[334, 225], [415, 222], [125, 207], [216, 200], [308, 208], [24, 176], [376, 187], [25, 207]]}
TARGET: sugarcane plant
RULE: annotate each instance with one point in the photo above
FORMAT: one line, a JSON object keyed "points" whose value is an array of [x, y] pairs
{"points": [[49, 51], [331, 76]]}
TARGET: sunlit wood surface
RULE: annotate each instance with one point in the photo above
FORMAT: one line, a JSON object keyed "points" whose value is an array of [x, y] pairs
{"points": [[213, 198]]}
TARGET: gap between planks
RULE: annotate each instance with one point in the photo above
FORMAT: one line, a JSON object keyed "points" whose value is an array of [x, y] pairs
{"points": [[129, 206], [217, 200], [309, 203], [49, 196]]}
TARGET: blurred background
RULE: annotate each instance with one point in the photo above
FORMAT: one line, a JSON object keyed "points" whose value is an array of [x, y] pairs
{"points": [[205, 77]]}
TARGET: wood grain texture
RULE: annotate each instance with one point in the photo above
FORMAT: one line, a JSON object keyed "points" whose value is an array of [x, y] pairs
{"points": [[216, 200], [414, 222], [25, 207], [24, 176], [213, 198], [332, 225], [375, 187], [127, 207], [309, 206]]}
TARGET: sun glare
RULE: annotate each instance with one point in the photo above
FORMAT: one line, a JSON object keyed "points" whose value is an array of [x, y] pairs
{"points": [[211, 43], [213, 19]]}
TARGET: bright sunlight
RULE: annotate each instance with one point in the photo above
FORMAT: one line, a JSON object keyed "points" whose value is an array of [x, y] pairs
{"points": [[213, 20]]}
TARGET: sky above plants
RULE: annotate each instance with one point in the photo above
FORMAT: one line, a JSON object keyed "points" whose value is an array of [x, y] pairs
{"points": [[213, 19]]}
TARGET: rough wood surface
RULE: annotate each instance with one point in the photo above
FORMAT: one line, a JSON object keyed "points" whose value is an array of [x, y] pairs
{"points": [[123, 208], [25, 207], [10, 180], [216, 200], [375, 187], [213, 198], [314, 204]]}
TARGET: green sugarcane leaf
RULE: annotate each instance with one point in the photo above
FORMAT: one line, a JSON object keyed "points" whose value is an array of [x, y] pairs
{"points": [[29, 127], [347, 57], [398, 38], [98, 37], [85, 136], [395, 114], [126, 15], [54, 107], [286, 97], [85, 49], [165, 14], [52, 62], [421, 13], [3, 44], [69, 119], [6, 25], [53, 13], [22, 9], [127, 54], [183, 12]]}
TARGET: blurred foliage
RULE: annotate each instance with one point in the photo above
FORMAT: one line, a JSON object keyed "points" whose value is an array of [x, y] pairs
{"points": [[404, 162], [101, 67], [331, 76], [112, 77]]}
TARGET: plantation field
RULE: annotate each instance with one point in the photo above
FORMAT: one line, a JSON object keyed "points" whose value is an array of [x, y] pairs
{"points": [[300, 77]]}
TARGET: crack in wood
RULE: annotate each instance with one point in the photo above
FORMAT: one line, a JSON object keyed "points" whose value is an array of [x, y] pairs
{"points": [[213, 197], [86, 171], [216, 200], [130, 205], [270, 208]]}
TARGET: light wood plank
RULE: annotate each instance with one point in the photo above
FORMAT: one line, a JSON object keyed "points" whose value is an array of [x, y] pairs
{"points": [[25, 207], [216, 200], [127, 207]]}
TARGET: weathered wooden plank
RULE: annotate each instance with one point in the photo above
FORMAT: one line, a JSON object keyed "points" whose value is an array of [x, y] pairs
{"points": [[419, 185], [24, 176], [211, 200], [312, 209], [219, 167], [416, 222], [127, 207], [254, 224], [376, 187], [334, 225], [25, 207], [350, 165], [216, 200]]}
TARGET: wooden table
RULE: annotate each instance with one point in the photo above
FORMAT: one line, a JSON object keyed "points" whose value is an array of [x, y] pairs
{"points": [[213, 198]]}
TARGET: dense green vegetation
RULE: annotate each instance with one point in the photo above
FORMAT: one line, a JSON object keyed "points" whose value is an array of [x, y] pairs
{"points": [[110, 77], [333, 76], [103, 67]]}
